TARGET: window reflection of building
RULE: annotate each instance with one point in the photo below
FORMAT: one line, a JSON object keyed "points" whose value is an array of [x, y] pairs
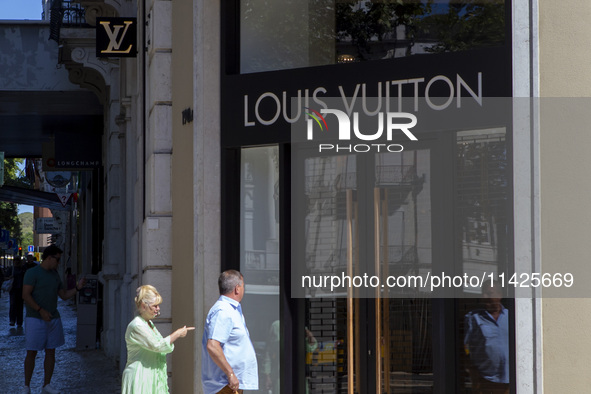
{"points": [[402, 192], [404, 325], [260, 257], [482, 214], [410, 334], [259, 251], [293, 34], [481, 199], [327, 179]]}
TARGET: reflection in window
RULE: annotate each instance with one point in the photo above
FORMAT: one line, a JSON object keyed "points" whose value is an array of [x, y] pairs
{"points": [[330, 183], [330, 343], [483, 221], [481, 198], [259, 258], [404, 215], [326, 348], [406, 363], [486, 350], [285, 34], [404, 207]]}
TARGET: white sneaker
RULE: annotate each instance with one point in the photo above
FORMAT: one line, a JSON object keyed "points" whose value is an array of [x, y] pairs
{"points": [[26, 390], [50, 390]]}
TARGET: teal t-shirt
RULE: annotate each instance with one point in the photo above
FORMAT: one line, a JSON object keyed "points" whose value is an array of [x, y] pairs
{"points": [[45, 287]]}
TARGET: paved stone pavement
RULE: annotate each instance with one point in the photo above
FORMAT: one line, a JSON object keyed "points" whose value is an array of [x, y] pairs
{"points": [[76, 371]]}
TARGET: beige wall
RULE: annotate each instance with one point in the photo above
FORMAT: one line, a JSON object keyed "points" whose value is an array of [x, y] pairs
{"points": [[565, 57], [183, 357], [195, 179]]}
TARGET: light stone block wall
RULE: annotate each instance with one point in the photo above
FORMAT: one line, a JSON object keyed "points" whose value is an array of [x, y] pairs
{"points": [[156, 230], [158, 183], [114, 245], [159, 137], [159, 33], [157, 239], [159, 79], [156, 233], [161, 280]]}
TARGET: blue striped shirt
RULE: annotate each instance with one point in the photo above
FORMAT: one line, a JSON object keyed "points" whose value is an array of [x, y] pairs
{"points": [[226, 324], [488, 343]]}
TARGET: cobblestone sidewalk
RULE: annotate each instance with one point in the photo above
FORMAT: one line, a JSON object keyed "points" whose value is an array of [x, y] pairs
{"points": [[76, 371]]}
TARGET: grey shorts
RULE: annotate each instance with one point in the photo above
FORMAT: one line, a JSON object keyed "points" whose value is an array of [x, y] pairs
{"points": [[41, 334]]}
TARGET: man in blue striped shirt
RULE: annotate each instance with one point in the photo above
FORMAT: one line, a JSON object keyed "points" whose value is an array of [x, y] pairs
{"points": [[487, 342], [229, 362]]}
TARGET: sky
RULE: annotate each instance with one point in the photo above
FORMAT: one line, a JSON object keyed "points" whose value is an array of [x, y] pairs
{"points": [[21, 9], [22, 208]]}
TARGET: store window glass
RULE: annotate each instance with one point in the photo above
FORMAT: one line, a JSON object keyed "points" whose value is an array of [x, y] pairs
{"points": [[259, 258], [286, 34], [332, 340], [481, 201], [404, 329], [483, 224], [388, 341], [356, 342]]}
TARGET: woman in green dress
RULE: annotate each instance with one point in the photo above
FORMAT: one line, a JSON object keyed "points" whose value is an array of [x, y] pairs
{"points": [[145, 371]]}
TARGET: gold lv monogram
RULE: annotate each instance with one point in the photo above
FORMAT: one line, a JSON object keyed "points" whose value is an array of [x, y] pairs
{"points": [[114, 45]]}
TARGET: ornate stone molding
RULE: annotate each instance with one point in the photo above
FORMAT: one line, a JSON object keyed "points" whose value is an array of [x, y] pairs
{"points": [[99, 8], [86, 56], [88, 78], [90, 72]]}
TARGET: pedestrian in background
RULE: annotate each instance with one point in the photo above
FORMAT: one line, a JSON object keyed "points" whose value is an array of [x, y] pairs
{"points": [[43, 326], [31, 262], [145, 371], [2, 276], [229, 362], [17, 275]]}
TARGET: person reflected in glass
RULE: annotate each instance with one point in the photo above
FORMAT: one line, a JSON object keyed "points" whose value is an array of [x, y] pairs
{"points": [[271, 362], [311, 354], [486, 342], [145, 371]]}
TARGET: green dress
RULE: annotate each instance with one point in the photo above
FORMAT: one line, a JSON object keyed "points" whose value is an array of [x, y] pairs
{"points": [[145, 371]]}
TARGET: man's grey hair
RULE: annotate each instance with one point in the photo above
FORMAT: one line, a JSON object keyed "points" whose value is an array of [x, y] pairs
{"points": [[228, 280]]}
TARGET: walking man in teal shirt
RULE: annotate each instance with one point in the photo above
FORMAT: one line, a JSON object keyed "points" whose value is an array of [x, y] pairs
{"points": [[229, 362], [43, 326]]}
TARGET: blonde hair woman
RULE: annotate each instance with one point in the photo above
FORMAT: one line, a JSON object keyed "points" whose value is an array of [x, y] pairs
{"points": [[145, 371]]}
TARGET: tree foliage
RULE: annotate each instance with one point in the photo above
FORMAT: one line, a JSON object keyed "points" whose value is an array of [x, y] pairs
{"points": [[377, 21], [9, 219], [26, 219], [466, 25], [27, 225], [283, 34]]}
